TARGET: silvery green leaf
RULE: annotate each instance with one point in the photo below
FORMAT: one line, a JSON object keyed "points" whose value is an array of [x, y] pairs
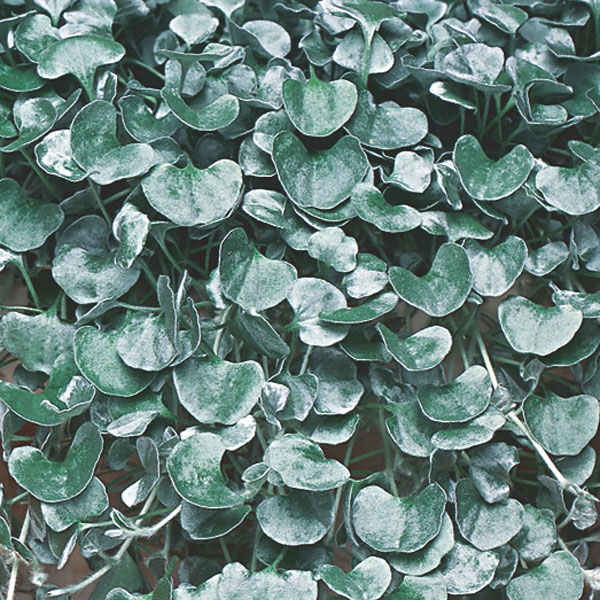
{"points": [[303, 466], [298, 518], [429, 558], [468, 570], [54, 155], [319, 179], [485, 179], [207, 524], [486, 526], [318, 108], [545, 259], [460, 436], [368, 580], [421, 351], [187, 195], [27, 223], [368, 278], [429, 587], [130, 227], [559, 577], [496, 269], [194, 469], [370, 205], [410, 429], [248, 278], [218, 391], [51, 481], [237, 582], [339, 390], [537, 538], [309, 297], [563, 426], [36, 340], [443, 289], [531, 328], [412, 521], [458, 401], [97, 150], [335, 249], [490, 468]]}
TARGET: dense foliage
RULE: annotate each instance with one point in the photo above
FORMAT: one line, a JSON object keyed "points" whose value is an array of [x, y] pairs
{"points": [[312, 298]]}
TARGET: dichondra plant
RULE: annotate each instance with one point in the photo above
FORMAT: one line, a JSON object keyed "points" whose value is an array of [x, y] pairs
{"points": [[299, 299]]}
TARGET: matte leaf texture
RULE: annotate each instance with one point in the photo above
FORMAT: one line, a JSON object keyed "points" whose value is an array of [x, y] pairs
{"points": [[535, 329], [485, 179], [190, 196], [299, 299], [318, 108], [443, 289]]}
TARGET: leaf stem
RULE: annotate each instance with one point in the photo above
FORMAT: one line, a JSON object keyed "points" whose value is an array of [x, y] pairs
{"points": [[72, 589], [304, 364], [100, 204], [389, 467], [23, 270], [12, 582], [41, 175]]}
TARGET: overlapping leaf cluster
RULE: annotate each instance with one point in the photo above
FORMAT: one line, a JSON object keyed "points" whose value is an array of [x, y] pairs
{"points": [[312, 298]]}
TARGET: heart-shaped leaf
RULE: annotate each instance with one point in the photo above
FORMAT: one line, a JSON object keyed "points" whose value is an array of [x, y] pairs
{"points": [[297, 518], [458, 401], [249, 279], [431, 587], [15, 79], [320, 179], [368, 580], [318, 108], [142, 124], [38, 340], [562, 425], [93, 501], [411, 522], [545, 259], [490, 468], [97, 358], [496, 269], [460, 436], [303, 466], [309, 297], [98, 152], [217, 391], [368, 311], [66, 394], [412, 172], [191, 196], [572, 191], [386, 126], [54, 155], [35, 118], [476, 65], [208, 524], [370, 205], [537, 538], [368, 278], [27, 223], [51, 481], [419, 352], [194, 469], [484, 525], [410, 429], [485, 179], [332, 247], [468, 570], [80, 56], [87, 278], [237, 582], [339, 390], [535, 329], [443, 289], [429, 558], [559, 577]]}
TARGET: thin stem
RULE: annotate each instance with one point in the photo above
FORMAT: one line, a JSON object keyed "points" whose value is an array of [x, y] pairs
{"points": [[221, 329], [12, 582], [338, 493], [29, 284], [389, 467], [225, 550], [254, 561], [41, 175], [72, 589], [486, 359], [305, 361], [100, 204]]}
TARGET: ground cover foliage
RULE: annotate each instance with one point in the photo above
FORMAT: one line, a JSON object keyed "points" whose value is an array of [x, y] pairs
{"points": [[312, 298]]}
